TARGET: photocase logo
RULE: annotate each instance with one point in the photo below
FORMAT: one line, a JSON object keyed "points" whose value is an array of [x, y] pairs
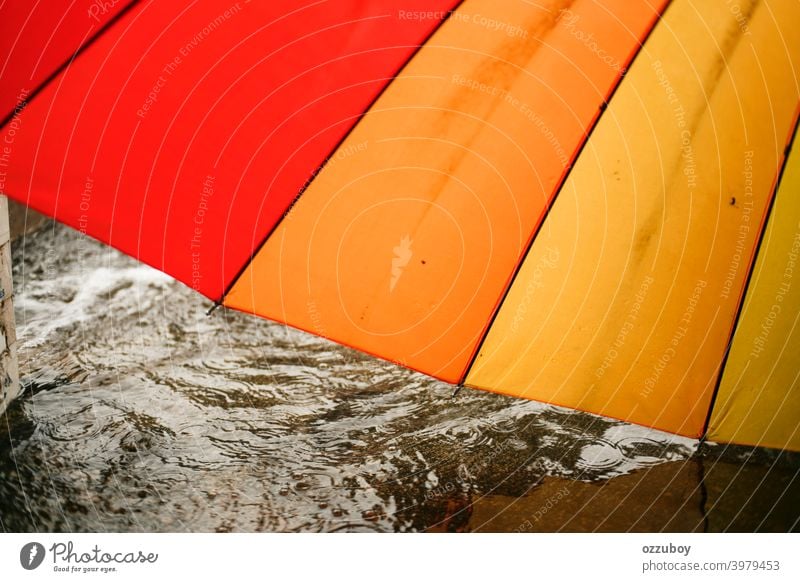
{"points": [[31, 555], [402, 256], [100, 7]]}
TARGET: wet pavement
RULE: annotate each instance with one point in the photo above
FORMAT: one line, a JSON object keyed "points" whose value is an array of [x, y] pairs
{"points": [[141, 413]]}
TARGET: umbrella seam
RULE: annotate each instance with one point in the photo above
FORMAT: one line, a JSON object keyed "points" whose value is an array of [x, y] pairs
{"points": [[65, 65], [334, 149], [560, 186], [790, 145]]}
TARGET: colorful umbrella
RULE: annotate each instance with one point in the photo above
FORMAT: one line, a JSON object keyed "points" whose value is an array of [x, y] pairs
{"points": [[591, 203]]}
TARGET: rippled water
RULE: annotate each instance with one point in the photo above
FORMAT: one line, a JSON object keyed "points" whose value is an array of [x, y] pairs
{"points": [[141, 413]]}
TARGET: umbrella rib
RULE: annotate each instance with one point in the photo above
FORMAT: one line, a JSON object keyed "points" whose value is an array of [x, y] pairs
{"points": [[790, 144], [601, 109], [333, 151], [54, 75]]}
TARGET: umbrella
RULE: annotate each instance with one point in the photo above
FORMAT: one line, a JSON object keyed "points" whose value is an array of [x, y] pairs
{"points": [[589, 203]]}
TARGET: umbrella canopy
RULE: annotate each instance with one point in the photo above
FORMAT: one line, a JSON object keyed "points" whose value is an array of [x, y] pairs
{"points": [[590, 203]]}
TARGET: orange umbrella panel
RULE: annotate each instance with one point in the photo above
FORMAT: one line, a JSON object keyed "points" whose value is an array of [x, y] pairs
{"points": [[405, 246]]}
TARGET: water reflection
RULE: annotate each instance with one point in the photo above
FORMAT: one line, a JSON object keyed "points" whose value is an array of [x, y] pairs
{"points": [[143, 414]]}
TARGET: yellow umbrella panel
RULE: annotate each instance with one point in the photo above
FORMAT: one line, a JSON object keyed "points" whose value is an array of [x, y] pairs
{"points": [[624, 305], [759, 398]]}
